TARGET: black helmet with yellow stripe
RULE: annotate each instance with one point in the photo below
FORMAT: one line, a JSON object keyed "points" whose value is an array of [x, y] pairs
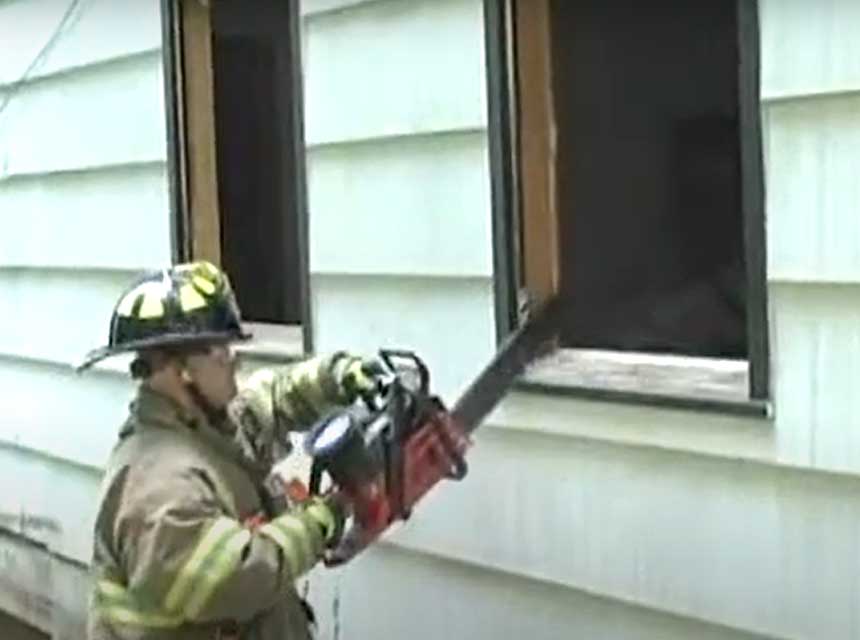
{"points": [[186, 305]]}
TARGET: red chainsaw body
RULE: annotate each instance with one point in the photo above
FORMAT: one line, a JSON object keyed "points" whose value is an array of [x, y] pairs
{"points": [[434, 451]]}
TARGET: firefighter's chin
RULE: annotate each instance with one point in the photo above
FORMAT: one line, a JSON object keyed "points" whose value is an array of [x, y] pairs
{"points": [[217, 393], [216, 386]]}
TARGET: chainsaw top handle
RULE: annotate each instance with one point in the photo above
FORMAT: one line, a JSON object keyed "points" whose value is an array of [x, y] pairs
{"points": [[400, 361], [402, 369]]}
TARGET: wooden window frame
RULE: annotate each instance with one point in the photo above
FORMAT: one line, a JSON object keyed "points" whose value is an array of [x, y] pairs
{"points": [[192, 161], [522, 134]]}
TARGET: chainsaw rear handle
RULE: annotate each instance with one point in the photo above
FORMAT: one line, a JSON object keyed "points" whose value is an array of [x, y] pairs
{"points": [[433, 452], [397, 364], [386, 455]]}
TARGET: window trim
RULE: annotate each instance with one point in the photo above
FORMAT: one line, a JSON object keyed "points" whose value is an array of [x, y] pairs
{"points": [[526, 245], [191, 151], [657, 380], [504, 189], [196, 133], [753, 197], [277, 343], [297, 124], [171, 39]]}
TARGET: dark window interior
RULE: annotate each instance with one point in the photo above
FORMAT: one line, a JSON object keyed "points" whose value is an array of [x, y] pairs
{"points": [[255, 150], [649, 175]]}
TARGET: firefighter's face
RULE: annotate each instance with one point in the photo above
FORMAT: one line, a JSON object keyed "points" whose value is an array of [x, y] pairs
{"points": [[214, 374]]}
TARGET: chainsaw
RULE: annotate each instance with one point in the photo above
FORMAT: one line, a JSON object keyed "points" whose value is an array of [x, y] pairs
{"points": [[385, 453]]}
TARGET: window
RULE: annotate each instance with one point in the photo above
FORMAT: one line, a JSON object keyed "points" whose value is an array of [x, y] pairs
{"points": [[627, 179], [238, 160]]}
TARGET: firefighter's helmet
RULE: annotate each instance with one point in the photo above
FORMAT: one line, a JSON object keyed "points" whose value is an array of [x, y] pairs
{"points": [[187, 304]]}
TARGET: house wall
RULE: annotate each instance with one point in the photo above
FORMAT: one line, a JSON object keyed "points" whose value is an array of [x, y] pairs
{"points": [[581, 517], [398, 181], [578, 517], [84, 205]]}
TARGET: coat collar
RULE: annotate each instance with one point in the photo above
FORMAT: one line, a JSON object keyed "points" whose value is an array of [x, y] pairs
{"points": [[153, 409]]}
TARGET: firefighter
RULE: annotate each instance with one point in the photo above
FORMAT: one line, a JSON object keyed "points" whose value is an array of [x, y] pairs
{"points": [[187, 541]]}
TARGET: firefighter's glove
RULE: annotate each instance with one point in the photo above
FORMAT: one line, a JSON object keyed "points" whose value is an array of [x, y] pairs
{"points": [[330, 512], [364, 379]]}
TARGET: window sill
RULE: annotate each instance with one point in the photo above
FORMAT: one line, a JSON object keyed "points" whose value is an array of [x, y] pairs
{"points": [[658, 380], [274, 343]]}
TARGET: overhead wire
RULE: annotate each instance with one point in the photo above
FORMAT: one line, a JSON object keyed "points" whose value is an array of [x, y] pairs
{"points": [[10, 90]]}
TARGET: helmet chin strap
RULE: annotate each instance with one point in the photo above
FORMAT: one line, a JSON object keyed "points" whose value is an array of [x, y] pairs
{"points": [[214, 415]]}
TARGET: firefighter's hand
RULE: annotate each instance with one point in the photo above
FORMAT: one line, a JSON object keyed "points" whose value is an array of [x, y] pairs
{"points": [[364, 378]]}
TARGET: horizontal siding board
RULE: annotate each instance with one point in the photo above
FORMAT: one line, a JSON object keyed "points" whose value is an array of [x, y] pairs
{"points": [[809, 50], [70, 591], [713, 434], [813, 194], [104, 115], [749, 546], [57, 315], [51, 409], [447, 321], [792, 343], [817, 356], [475, 603], [312, 7], [25, 582], [418, 206], [399, 80], [99, 30], [116, 217], [54, 503], [43, 590]]}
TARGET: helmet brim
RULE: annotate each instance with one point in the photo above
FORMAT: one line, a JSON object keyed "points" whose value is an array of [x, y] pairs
{"points": [[162, 341]]}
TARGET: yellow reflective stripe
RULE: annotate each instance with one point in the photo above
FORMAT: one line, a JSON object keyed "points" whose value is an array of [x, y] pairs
{"points": [[207, 270], [152, 294], [220, 531], [324, 516], [298, 528], [115, 604], [205, 285], [151, 307], [287, 543], [219, 567], [124, 615], [190, 299], [126, 305], [110, 589], [293, 536]]}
